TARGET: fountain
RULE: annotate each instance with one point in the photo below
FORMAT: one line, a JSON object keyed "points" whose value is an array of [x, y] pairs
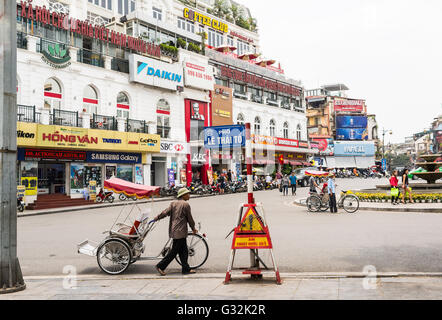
{"points": [[431, 166]]}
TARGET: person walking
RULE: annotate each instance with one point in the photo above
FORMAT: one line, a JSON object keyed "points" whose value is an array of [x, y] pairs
{"points": [[293, 183], [222, 183], [180, 216], [313, 184], [331, 187], [229, 176], [406, 187], [278, 179], [285, 182], [394, 182]]}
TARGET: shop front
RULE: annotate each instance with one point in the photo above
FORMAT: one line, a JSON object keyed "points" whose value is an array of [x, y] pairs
{"points": [[167, 165], [63, 160]]}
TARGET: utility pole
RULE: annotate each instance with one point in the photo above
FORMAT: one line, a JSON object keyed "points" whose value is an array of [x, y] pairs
{"points": [[11, 278]]}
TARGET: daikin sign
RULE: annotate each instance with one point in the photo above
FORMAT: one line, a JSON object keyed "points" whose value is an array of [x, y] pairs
{"points": [[155, 73]]}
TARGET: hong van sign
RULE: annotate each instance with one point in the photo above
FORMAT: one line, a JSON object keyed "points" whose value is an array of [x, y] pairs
{"points": [[155, 73]]}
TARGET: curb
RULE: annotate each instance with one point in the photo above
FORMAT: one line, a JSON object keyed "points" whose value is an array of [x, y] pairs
{"points": [[416, 210], [200, 276]]}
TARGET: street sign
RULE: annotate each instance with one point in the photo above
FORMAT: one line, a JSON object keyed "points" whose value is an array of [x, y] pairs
{"points": [[384, 164], [224, 137]]}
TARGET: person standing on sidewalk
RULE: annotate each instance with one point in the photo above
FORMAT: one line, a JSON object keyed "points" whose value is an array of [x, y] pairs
{"points": [[285, 185], [394, 182], [331, 187], [180, 215], [293, 183]]}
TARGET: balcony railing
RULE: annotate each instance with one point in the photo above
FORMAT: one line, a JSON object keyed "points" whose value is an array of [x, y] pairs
{"points": [[272, 102], [103, 122], [257, 99], [285, 105], [65, 118], [139, 126], [90, 57], [26, 113], [240, 95], [120, 65]]}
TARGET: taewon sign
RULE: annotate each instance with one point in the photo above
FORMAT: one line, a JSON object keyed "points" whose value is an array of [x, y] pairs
{"points": [[224, 137]]}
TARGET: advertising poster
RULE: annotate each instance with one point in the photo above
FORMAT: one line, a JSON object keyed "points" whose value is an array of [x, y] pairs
{"points": [[171, 177], [139, 175], [93, 173], [29, 177], [77, 178], [351, 122], [21, 190], [222, 105], [125, 173], [351, 134], [183, 178], [210, 175], [92, 190]]}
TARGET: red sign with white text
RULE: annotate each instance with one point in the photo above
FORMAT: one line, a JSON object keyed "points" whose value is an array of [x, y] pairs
{"points": [[349, 106]]}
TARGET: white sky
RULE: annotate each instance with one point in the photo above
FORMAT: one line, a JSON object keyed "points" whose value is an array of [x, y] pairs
{"points": [[388, 52]]}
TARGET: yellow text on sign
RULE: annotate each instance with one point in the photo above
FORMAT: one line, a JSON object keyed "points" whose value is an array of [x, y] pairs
{"points": [[246, 242]]}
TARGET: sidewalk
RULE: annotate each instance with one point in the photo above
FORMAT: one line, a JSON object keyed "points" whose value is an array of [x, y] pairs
{"points": [[387, 206], [211, 287]]}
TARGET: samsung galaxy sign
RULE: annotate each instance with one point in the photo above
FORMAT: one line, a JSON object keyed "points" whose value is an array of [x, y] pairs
{"points": [[155, 73]]}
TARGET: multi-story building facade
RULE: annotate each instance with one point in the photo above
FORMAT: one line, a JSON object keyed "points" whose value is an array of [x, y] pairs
{"points": [[134, 82], [341, 127]]}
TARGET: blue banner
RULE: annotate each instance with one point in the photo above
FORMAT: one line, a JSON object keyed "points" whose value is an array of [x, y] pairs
{"points": [[224, 137], [351, 134], [351, 122], [361, 148], [113, 157]]}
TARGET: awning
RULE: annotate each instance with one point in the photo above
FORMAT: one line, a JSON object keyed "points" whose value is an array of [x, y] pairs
{"points": [[130, 189], [296, 163], [364, 162], [305, 163], [345, 162]]}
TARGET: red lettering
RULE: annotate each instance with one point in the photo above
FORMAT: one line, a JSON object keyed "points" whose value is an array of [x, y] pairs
{"points": [[30, 12], [23, 9], [47, 137], [38, 13]]}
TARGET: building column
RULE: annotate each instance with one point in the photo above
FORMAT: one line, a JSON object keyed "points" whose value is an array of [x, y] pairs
{"points": [[86, 118], [121, 122], [108, 62], [44, 116]]}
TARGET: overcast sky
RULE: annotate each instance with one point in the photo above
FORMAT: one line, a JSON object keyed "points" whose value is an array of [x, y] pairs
{"points": [[388, 52]]}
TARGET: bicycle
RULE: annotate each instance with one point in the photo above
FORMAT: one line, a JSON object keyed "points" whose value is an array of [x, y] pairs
{"points": [[319, 202]]}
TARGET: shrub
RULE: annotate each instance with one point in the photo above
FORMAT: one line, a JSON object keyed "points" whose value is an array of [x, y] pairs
{"points": [[181, 43], [193, 47]]}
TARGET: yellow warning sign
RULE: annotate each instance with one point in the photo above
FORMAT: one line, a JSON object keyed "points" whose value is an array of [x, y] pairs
{"points": [[250, 223], [261, 242]]}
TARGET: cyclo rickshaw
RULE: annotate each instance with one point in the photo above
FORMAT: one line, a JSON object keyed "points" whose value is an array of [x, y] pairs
{"points": [[124, 243]]}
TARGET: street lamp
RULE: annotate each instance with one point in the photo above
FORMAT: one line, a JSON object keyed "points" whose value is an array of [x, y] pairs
{"points": [[383, 140]]}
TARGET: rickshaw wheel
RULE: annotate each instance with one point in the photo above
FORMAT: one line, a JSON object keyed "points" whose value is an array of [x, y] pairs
{"points": [[114, 256], [198, 251]]}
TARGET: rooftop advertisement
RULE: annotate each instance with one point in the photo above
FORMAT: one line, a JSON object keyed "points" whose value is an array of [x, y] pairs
{"points": [[359, 148]]}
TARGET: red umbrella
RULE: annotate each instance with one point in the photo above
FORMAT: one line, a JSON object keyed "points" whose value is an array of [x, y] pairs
{"points": [[226, 49], [131, 189], [316, 173], [249, 56], [264, 63]]}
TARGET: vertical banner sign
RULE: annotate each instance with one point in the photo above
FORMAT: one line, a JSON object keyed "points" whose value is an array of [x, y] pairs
{"points": [[183, 178], [171, 177], [210, 175], [139, 175], [77, 178], [21, 190], [92, 190], [29, 177]]}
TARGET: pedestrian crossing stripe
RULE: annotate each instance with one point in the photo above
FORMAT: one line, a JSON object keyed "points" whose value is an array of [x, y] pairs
{"points": [[251, 222]]}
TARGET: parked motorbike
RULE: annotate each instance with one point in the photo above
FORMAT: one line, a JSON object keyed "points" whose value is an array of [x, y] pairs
{"points": [[103, 196], [20, 204], [123, 197]]}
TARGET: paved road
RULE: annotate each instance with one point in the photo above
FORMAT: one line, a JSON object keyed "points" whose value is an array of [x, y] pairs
{"points": [[304, 242]]}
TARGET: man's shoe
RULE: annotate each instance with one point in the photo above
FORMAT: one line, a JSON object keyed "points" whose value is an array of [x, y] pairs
{"points": [[189, 272], [161, 272]]}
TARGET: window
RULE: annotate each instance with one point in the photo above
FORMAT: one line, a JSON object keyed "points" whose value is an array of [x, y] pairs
{"points": [[90, 100], [230, 41], [257, 126], [186, 25], [219, 39], [240, 119], [163, 119], [123, 105], [52, 94], [157, 13], [95, 19], [239, 88], [107, 4], [212, 38], [285, 130], [126, 6], [298, 132], [272, 128]]}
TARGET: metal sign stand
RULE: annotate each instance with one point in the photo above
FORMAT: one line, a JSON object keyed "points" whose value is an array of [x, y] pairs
{"points": [[251, 231]]}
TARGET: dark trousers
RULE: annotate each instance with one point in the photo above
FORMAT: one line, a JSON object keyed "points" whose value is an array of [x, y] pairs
{"points": [[332, 200], [179, 247], [293, 189], [285, 190]]}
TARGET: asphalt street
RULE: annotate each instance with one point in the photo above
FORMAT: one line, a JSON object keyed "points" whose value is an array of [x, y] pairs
{"points": [[303, 242]]}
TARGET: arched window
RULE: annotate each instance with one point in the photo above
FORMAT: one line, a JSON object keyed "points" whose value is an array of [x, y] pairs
{"points": [[285, 130], [240, 119], [90, 100], [123, 105], [272, 129], [257, 126], [298, 132], [52, 94], [163, 119]]}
